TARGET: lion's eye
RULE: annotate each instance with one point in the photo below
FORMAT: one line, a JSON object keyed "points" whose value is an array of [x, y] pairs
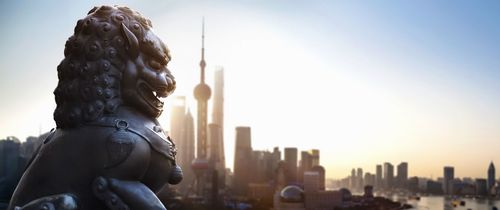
{"points": [[155, 64]]}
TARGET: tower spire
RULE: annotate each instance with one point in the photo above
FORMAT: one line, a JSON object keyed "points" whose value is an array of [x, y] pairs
{"points": [[202, 62], [203, 38]]}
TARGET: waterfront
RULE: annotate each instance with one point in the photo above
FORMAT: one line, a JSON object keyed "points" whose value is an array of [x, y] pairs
{"points": [[440, 202]]}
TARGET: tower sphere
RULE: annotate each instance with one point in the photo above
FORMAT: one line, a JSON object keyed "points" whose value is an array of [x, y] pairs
{"points": [[202, 92]]}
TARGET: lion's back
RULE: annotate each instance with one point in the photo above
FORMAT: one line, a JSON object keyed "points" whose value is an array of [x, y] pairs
{"points": [[68, 162]]}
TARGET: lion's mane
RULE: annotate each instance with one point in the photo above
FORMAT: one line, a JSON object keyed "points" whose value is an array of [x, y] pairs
{"points": [[95, 57]]}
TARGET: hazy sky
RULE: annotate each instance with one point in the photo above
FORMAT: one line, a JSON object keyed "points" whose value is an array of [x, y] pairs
{"points": [[366, 82]]}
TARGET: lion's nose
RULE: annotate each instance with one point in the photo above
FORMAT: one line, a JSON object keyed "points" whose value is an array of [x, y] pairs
{"points": [[171, 84]]}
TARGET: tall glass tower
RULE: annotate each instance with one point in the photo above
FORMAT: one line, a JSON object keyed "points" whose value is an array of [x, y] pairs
{"points": [[491, 176]]}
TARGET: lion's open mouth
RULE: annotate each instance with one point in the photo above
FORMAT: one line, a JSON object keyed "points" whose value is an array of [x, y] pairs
{"points": [[155, 98]]}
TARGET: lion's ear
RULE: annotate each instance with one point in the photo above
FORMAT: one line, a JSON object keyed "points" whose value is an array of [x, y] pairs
{"points": [[133, 43]]}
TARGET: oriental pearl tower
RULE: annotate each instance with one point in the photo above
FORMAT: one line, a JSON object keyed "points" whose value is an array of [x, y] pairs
{"points": [[202, 93]]}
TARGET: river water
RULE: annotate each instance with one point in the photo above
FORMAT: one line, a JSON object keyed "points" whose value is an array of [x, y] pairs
{"points": [[442, 203]]}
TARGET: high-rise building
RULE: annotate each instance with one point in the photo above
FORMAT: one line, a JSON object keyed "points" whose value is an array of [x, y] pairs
{"points": [[315, 157], [449, 176], [291, 162], [9, 153], [182, 133], [321, 172], [491, 177], [359, 179], [177, 129], [308, 159], [276, 157], [263, 164], [277, 153], [189, 137], [353, 184], [306, 163], [280, 176], [11, 166], [243, 171], [188, 151], [388, 175], [311, 181], [369, 179], [218, 100], [378, 174], [216, 157], [481, 187], [202, 93], [414, 184], [434, 187], [214, 137], [218, 119], [402, 176], [29, 147]]}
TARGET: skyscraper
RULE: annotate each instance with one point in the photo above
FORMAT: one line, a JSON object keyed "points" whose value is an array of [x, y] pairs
{"points": [[263, 163], [306, 163], [243, 171], [189, 137], [188, 151], [353, 179], [216, 157], [315, 157], [202, 93], [321, 172], [11, 166], [481, 187], [369, 179], [276, 157], [291, 163], [491, 176], [388, 175], [177, 129], [218, 100], [29, 147], [311, 181], [218, 119], [402, 176], [214, 142], [359, 179], [449, 175], [378, 181], [182, 133]]}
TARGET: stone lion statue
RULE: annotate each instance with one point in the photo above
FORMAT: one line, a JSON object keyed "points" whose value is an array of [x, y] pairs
{"points": [[108, 150]]}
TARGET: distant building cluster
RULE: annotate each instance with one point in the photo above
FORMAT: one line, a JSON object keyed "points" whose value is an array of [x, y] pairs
{"points": [[292, 183], [14, 156], [385, 180], [451, 185]]}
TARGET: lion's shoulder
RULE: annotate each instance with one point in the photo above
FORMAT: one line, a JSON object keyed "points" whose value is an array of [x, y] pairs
{"points": [[127, 132]]}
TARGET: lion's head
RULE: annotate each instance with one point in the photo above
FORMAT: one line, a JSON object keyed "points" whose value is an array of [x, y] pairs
{"points": [[113, 59]]}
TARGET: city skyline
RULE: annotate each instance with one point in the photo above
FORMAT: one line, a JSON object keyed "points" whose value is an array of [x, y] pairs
{"points": [[351, 80]]}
